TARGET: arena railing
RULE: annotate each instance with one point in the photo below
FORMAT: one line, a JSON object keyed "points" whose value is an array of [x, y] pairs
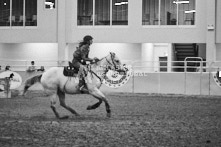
{"points": [[144, 66], [22, 65]]}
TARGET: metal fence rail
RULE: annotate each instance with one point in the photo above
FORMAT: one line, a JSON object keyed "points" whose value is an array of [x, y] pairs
{"points": [[147, 66]]}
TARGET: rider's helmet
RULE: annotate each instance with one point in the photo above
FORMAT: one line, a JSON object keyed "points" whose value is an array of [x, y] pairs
{"points": [[87, 38]]}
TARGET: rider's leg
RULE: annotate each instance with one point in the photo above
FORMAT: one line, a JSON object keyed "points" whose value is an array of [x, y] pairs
{"points": [[81, 83], [82, 75], [79, 66]]}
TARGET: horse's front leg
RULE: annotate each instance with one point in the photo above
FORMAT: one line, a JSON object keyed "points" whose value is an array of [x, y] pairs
{"points": [[94, 106], [100, 96]]}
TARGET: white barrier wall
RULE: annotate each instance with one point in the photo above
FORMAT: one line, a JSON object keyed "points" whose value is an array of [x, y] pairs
{"points": [[162, 83], [171, 83]]}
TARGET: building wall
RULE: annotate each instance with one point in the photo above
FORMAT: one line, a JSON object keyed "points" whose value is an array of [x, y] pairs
{"points": [[19, 55], [135, 32], [28, 51], [218, 21], [47, 28], [218, 30], [45, 32], [60, 26], [202, 50], [124, 51], [218, 52]]}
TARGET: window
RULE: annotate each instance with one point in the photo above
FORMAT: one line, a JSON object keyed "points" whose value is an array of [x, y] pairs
{"points": [[150, 12], [4, 12], [186, 15], [30, 13], [85, 11], [18, 13], [102, 12], [120, 12], [170, 12], [49, 4]]}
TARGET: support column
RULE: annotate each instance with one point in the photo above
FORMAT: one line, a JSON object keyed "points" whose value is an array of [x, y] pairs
{"points": [[62, 45], [210, 36], [169, 57], [147, 54]]}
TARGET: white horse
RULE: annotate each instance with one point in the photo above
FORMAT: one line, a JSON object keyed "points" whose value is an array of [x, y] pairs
{"points": [[54, 80]]}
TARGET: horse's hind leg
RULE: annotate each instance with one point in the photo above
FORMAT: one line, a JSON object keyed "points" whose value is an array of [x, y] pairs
{"points": [[25, 89], [100, 96], [61, 96]]}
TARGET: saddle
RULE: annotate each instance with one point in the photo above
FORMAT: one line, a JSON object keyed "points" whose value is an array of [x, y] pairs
{"points": [[70, 71]]}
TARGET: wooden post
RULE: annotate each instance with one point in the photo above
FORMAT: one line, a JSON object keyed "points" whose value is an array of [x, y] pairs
{"points": [[5, 91]]}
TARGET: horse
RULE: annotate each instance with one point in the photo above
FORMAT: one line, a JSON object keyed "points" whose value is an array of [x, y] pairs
{"points": [[54, 80]]}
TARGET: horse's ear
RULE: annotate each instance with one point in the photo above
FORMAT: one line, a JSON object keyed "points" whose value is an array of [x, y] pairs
{"points": [[112, 54]]}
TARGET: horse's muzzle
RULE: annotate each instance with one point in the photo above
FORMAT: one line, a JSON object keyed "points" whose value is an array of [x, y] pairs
{"points": [[121, 71]]}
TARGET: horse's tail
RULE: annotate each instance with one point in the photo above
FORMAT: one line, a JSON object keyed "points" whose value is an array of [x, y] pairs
{"points": [[31, 81]]}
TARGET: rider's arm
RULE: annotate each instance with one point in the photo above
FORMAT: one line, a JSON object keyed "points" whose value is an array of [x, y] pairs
{"points": [[85, 52], [87, 59]]}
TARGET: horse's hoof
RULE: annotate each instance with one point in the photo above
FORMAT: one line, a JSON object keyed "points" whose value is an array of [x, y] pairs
{"points": [[77, 114], [89, 108], [108, 115], [64, 117]]}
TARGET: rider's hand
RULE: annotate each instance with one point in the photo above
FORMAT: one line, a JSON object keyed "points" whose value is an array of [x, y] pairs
{"points": [[96, 59]]}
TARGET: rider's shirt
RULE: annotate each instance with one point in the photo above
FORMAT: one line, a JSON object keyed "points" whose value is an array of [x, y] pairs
{"points": [[82, 52]]}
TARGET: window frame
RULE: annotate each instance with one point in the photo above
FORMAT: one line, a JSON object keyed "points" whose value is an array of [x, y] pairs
{"points": [[24, 21], [111, 18], [177, 17]]}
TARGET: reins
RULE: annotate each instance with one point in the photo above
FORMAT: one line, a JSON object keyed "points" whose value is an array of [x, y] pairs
{"points": [[112, 61], [106, 69]]}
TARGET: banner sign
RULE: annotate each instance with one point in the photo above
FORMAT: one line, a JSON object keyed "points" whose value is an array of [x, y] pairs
{"points": [[115, 79], [217, 78], [14, 77]]}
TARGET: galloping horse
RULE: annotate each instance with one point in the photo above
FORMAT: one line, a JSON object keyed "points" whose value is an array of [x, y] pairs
{"points": [[54, 80]]}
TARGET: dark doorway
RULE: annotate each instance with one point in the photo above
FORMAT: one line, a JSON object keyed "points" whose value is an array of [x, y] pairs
{"points": [[163, 64]]}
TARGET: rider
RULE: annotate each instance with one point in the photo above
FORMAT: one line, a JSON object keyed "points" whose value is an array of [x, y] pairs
{"points": [[80, 57]]}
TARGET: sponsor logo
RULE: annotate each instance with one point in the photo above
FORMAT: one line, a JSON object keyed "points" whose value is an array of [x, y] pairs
{"points": [[115, 79]]}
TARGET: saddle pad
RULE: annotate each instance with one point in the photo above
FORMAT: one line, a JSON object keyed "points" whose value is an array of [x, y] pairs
{"points": [[70, 71]]}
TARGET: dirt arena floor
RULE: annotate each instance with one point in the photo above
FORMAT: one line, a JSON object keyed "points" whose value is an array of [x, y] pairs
{"points": [[138, 120]]}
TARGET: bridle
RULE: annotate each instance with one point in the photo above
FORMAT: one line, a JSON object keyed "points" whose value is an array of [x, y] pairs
{"points": [[109, 62], [107, 68]]}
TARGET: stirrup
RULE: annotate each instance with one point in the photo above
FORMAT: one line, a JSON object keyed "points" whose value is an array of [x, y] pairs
{"points": [[81, 87]]}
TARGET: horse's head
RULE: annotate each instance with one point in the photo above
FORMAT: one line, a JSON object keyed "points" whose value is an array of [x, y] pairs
{"points": [[114, 63]]}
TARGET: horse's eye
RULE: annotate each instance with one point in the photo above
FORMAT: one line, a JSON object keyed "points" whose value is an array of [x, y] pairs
{"points": [[117, 61]]}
